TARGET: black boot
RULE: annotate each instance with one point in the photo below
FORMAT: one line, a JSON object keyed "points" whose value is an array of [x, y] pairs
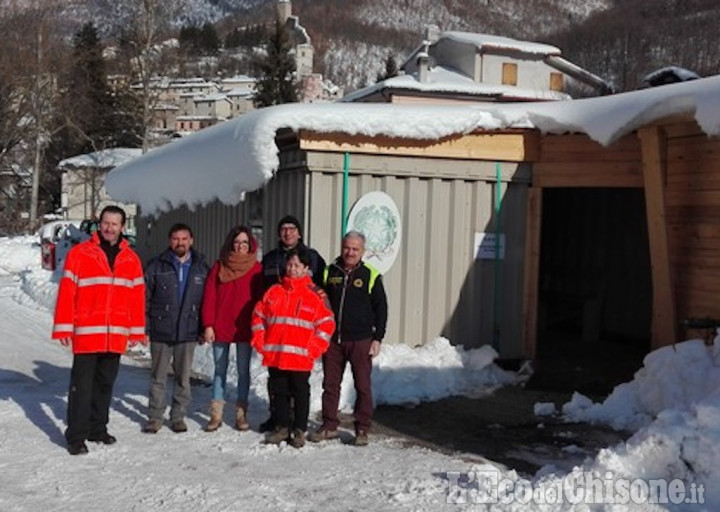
{"points": [[77, 448]]}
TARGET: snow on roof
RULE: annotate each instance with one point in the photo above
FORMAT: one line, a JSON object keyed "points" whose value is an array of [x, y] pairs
{"points": [[238, 78], [219, 96], [105, 159], [669, 74], [442, 79], [486, 41], [240, 155], [240, 92]]}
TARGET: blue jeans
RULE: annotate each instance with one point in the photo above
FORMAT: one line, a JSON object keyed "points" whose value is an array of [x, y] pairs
{"points": [[221, 355]]}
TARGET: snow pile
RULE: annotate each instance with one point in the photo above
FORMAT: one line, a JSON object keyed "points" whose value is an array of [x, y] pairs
{"points": [[20, 260], [434, 370], [673, 404], [676, 377]]}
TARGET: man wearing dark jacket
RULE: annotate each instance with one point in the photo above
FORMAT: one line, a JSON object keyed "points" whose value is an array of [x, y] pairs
{"points": [[358, 300], [175, 281], [290, 234], [289, 237]]}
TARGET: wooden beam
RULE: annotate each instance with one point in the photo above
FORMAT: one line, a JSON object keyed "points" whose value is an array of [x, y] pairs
{"points": [[664, 330], [515, 146], [532, 272], [587, 174]]}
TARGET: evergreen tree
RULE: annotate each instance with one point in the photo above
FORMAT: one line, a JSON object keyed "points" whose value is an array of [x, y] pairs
{"points": [[276, 69], [391, 68], [189, 40], [94, 116], [89, 103], [209, 40]]}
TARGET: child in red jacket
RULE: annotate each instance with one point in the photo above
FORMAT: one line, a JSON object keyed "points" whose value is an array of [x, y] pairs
{"points": [[292, 326]]}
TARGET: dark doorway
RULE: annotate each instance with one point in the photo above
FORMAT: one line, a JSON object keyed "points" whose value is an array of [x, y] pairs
{"points": [[595, 290]]}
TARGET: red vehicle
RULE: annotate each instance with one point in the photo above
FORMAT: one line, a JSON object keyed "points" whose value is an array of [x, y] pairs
{"points": [[50, 234]]}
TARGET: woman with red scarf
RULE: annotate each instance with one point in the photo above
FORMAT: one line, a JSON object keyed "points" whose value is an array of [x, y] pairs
{"points": [[234, 285]]}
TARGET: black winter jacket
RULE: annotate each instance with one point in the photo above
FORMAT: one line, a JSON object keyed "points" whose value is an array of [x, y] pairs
{"points": [[358, 300], [167, 320], [275, 261]]}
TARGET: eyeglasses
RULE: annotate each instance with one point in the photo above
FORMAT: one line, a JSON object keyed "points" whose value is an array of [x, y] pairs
{"points": [[241, 242], [288, 228]]}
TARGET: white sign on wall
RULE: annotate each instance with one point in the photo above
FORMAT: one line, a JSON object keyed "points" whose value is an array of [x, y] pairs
{"points": [[376, 216], [488, 247]]}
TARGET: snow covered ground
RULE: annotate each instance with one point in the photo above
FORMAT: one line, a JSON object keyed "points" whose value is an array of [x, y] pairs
{"points": [[673, 405]]}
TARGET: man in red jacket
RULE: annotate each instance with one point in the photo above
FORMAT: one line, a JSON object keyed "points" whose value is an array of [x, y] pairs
{"points": [[100, 307]]}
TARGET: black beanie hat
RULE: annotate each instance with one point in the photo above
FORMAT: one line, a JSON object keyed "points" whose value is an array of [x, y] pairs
{"points": [[289, 219]]}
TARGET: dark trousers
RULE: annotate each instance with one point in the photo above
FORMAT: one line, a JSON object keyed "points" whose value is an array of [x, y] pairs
{"points": [[357, 353], [91, 384], [287, 386]]}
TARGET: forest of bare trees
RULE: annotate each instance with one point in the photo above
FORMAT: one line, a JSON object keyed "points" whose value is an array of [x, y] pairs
{"points": [[636, 37]]}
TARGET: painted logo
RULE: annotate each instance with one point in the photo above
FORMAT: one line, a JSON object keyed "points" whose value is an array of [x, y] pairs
{"points": [[376, 216]]}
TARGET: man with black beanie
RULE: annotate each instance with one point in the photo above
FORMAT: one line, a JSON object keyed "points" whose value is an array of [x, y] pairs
{"points": [[289, 233]]}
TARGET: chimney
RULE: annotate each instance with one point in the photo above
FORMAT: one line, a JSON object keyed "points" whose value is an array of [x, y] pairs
{"points": [[432, 33], [423, 60]]}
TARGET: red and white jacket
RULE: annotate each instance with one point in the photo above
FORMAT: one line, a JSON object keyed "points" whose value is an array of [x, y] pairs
{"points": [[292, 324], [99, 308]]}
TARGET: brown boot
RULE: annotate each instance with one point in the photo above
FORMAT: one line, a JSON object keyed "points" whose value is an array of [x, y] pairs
{"points": [[279, 435], [298, 438], [241, 422], [216, 413]]}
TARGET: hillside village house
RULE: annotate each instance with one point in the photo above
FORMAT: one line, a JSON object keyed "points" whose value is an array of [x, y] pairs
{"points": [[83, 193], [452, 67], [602, 210]]}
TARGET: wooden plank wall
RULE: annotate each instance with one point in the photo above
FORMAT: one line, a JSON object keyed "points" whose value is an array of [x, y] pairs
{"points": [[693, 214], [586, 225]]}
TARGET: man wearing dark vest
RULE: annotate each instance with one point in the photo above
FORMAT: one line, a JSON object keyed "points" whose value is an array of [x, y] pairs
{"points": [[358, 300]]}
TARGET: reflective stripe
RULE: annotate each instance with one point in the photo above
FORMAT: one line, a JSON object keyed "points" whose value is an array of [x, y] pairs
{"points": [[70, 275], [121, 281], [138, 281], [92, 281], [103, 329], [324, 335], [289, 320], [374, 274], [258, 327], [63, 328], [323, 320], [137, 330], [114, 281], [290, 349]]}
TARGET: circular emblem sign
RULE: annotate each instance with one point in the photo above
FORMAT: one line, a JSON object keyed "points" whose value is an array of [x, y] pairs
{"points": [[376, 216]]}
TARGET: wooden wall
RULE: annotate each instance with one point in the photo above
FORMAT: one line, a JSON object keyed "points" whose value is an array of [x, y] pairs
{"points": [[693, 219], [678, 169]]}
